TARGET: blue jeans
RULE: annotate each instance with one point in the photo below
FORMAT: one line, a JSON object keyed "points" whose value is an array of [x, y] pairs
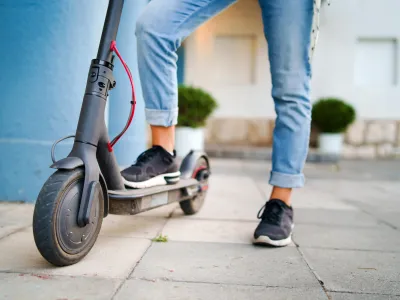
{"points": [[287, 27]]}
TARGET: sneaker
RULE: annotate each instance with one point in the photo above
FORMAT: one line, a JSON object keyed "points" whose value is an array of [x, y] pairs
{"points": [[276, 225], [156, 166]]}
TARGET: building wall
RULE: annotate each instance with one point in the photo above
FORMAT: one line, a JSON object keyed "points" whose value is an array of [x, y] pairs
{"points": [[357, 59], [45, 56]]}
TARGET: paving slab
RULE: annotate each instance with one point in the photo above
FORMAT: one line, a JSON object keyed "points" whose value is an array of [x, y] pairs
{"points": [[234, 186], [311, 198], [225, 263], [353, 296], [356, 271], [242, 202], [40, 287], [329, 217], [375, 205], [392, 218], [132, 226], [110, 257], [148, 290], [194, 230], [379, 238], [14, 217]]}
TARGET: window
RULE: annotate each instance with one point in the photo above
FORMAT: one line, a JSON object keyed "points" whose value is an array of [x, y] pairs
{"points": [[234, 60], [376, 62]]}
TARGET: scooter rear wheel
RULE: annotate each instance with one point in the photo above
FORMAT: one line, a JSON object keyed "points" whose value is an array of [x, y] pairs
{"points": [[192, 206], [57, 235]]}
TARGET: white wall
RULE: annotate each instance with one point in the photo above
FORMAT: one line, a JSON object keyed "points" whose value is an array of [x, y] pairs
{"points": [[364, 73], [239, 95]]}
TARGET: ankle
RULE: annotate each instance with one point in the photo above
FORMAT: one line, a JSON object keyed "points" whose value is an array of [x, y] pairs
{"points": [[164, 137], [283, 194]]}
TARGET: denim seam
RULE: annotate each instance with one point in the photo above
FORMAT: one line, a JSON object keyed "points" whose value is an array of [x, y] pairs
{"points": [[169, 121], [297, 178]]}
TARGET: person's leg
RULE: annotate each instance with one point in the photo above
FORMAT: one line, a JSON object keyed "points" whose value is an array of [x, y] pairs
{"points": [[160, 30], [288, 28]]}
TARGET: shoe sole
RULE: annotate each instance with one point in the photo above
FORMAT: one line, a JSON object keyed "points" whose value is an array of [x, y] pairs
{"points": [[163, 179], [264, 240]]}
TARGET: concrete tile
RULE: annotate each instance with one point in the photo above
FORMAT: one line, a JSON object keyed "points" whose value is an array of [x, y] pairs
{"points": [[147, 290], [110, 257], [356, 271], [234, 186], [390, 217], [379, 238], [311, 198], [14, 217], [230, 198], [132, 226], [225, 263], [376, 206], [226, 208], [361, 192], [388, 187], [352, 296], [333, 217], [39, 287], [183, 229]]}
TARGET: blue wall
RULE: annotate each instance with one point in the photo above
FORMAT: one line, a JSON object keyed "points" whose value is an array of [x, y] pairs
{"points": [[46, 48], [134, 140]]}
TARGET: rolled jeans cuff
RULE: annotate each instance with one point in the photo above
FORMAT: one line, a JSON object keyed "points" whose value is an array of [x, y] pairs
{"points": [[286, 180], [165, 118]]}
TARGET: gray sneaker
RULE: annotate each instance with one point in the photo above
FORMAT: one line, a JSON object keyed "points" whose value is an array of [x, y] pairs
{"points": [[154, 167], [276, 225]]}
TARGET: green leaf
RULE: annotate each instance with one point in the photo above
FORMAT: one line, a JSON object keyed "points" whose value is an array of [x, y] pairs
{"points": [[195, 106], [160, 239], [332, 115]]}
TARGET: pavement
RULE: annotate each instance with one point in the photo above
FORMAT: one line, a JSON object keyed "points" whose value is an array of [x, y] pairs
{"points": [[346, 244]]}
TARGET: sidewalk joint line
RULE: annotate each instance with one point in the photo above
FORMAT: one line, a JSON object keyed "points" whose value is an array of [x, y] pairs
{"points": [[130, 273], [15, 231], [164, 279], [319, 279], [356, 204], [350, 249], [363, 293]]}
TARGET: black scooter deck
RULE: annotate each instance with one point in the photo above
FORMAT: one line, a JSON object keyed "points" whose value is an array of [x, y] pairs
{"points": [[134, 201]]}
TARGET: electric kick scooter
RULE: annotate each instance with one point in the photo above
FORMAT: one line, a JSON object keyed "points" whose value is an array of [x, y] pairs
{"points": [[87, 184]]}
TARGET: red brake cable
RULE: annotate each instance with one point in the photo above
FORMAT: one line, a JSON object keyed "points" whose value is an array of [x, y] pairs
{"points": [[113, 47]]}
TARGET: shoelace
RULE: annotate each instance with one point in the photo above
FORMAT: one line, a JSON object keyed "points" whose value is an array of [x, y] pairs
{"points": [[145, 156], [271, 212]]}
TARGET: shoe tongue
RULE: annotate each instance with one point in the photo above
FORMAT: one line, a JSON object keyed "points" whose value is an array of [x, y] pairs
{"points": [[162, 149], [278, 202]]}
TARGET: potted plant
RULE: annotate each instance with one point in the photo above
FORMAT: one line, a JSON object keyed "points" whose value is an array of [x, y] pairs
{"points": [[332, 117], [195, 107]]}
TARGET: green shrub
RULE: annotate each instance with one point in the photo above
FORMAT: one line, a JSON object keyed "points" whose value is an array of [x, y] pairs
{"points": [[195, 106], [332, 115]]}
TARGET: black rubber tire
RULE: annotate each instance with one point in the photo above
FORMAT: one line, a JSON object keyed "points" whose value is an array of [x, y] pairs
{"points": [[193, 206], [46, 220]]}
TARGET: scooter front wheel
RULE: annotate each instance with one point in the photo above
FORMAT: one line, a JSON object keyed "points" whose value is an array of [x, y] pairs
{"points": [[57, 235]]}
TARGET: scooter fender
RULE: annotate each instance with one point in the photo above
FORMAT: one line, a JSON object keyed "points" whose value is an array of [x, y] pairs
{"points": [[189, 163], [68, 163], [71, 163]]}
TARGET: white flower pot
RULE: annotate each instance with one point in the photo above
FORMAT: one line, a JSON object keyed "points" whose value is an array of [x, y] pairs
{"points": [[330, 143], [187, 139]]}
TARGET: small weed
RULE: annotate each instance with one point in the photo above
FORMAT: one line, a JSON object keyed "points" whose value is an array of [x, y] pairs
{"points": [[161, 239]]}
